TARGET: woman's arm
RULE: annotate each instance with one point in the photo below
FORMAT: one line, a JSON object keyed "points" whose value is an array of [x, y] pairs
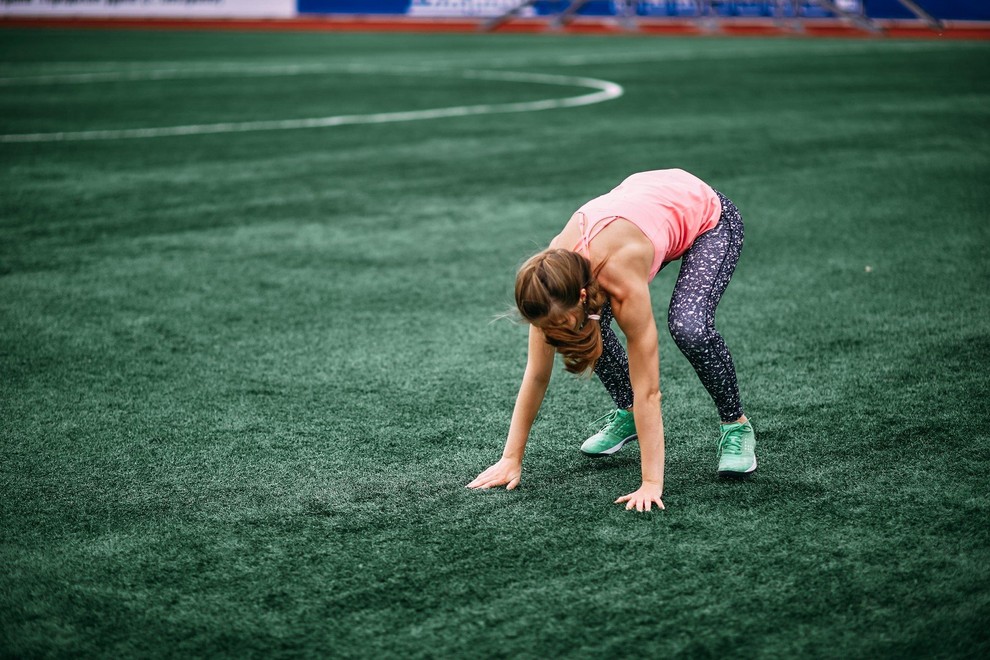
{"points": [[539, 366], [634, 313]]}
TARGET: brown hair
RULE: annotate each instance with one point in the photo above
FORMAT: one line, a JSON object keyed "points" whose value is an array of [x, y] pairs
{"points": [[548, 289]]}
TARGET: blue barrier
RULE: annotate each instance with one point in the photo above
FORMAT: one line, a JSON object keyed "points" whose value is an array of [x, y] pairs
{"points": [[941, 9], [946, 10]]}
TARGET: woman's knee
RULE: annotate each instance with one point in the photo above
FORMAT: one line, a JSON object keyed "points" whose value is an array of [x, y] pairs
{"points": [[691, 335]]}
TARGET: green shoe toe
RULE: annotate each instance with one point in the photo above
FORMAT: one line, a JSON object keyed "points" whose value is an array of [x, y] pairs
{"points": [[618, 430], [737, 450]]}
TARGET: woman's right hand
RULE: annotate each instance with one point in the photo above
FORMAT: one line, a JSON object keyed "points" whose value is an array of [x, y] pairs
{"points": [[506, 472]]}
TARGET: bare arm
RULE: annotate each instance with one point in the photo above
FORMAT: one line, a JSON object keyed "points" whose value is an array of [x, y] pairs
{"points": [[539, 366], [634, 313]]}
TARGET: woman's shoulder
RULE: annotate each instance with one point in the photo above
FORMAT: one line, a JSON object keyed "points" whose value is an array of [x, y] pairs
{"points": [[628, 253], [625, 271], [569, 236]]}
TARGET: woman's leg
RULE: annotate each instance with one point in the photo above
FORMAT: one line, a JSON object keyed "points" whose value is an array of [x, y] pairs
{"points": [[705, 271], [612, 367]]}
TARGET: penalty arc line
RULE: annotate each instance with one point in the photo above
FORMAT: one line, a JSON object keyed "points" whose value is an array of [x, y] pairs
{"points": [[605, 91]]}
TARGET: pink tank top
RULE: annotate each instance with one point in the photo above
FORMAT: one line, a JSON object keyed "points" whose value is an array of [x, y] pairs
{"points": [[671, 207]]}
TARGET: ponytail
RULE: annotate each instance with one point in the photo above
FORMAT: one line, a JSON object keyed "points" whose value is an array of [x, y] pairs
{"points": [[548, 295]]}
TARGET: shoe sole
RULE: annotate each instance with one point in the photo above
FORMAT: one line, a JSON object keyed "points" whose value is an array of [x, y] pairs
{"points": [[735, 474], [610, 450]]}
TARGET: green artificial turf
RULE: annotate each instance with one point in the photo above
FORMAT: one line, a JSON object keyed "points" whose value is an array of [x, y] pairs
{"points": [[244, 378]]}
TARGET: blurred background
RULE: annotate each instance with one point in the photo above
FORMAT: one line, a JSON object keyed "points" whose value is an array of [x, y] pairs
{"points": [[862, 13], [255, 257]]}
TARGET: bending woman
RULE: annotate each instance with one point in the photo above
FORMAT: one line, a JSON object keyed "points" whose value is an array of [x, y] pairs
{"points": [[598, 268]]}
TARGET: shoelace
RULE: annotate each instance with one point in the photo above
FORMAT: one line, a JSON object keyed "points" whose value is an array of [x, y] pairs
{"points": [[609, 418], [731, 442]]}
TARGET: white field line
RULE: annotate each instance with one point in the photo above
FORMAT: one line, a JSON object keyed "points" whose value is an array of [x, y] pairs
{"points": [[605, 91], [128, 72], [221, 69], [186, 70]]}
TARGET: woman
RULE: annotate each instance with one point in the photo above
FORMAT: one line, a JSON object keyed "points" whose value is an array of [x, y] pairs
{"points": [[599, 268]]}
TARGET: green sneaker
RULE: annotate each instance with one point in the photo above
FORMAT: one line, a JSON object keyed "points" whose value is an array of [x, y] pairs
{"points": [[737, 450], [619, 428]]}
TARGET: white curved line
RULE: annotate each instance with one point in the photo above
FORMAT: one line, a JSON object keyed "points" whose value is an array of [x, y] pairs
{"points": [[605, 91], [215, 70], [120, 71]]}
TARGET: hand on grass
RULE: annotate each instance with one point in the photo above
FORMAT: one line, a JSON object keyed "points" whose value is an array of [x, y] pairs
{"points": [[644, 498], [506, 472]]}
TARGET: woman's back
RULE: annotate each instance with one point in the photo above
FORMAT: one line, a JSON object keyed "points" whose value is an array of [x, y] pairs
{"points": [[671, 207]]}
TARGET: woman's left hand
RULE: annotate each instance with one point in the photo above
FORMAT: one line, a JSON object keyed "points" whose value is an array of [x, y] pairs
{"points": [[644, 498]]}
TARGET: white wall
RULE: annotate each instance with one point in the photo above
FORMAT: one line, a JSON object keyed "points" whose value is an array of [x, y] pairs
{"points": [[151, 8]]}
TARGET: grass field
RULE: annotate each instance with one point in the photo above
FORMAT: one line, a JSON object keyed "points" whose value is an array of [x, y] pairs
{"points": [[244, 377]]}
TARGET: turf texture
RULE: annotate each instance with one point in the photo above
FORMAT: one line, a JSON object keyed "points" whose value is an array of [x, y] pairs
{"points": [[244, 378]]}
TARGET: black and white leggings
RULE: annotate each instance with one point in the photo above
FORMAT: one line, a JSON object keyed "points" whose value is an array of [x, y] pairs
{"points": [[706, 268]]}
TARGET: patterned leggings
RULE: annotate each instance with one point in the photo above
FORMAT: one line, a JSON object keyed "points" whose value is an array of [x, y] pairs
{"points": [[706, 269]]}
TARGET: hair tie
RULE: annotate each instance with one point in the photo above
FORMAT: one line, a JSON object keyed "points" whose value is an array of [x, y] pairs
{"points": [[594, 317]]}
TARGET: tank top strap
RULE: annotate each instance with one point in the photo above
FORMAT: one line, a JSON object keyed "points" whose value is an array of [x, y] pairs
{"points": [[583, 225], [589, 231]]}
